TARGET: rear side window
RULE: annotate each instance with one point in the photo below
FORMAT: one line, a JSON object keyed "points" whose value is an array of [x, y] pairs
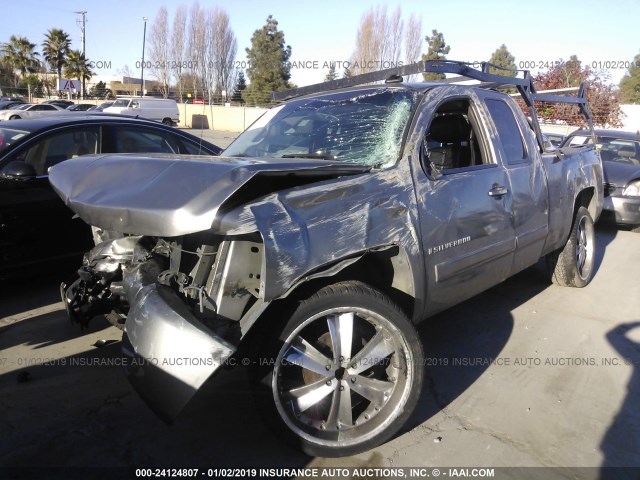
{"points": [[189, 148], [143, 140], [508, 131]]}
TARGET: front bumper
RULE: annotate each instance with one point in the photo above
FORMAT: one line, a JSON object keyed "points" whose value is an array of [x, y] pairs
{"points": [[625, 209], [171, 354]]}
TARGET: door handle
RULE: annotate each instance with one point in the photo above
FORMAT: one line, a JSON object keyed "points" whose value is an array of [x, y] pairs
{"points": [[498, 191]]}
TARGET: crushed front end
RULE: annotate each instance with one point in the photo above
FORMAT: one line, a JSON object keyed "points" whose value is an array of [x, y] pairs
{"points": [[183, 302]]}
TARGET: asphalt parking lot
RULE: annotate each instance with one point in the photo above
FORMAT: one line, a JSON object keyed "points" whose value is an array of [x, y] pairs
{"points": [[217, 137], [526, 374]]}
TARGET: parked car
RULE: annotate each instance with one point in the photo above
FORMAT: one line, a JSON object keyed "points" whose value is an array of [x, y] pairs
{"points": [[80, 107], [29, 208], [329, 227], [29, 110], [620, 153], [555, 139], [101, 107], [162, 110], [11, 103], [59, 103]]}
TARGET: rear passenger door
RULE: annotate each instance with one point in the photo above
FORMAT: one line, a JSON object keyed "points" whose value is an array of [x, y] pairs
{"points": [[464, 200], [520, 156]]}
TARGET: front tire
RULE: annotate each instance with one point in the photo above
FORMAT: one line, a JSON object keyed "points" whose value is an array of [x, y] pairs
{"points": [[574, 265], [345, 373], [14, 117]]}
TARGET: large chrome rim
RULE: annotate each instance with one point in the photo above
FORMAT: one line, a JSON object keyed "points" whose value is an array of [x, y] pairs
{"points": [[342, 376], [584, 248]]}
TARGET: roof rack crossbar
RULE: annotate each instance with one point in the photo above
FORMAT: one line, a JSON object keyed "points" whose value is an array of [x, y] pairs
{"points": [[410, 69], [523, 84], [466, 69]]}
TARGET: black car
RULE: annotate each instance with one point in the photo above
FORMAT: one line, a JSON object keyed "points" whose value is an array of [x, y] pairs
{"points": [[80, 107], [620, 153], [101, 107], [59, 103], [30, 211]]}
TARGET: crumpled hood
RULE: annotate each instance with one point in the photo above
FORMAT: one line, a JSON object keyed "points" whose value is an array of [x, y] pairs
{"points": [[172, 195]]}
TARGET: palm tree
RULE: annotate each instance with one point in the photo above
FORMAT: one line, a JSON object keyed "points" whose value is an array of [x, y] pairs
{"points": [[78, 67], [19, 54], [55, 49]]}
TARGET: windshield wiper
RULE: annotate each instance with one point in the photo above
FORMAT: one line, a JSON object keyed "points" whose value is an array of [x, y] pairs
{"points": [[320, 156]]}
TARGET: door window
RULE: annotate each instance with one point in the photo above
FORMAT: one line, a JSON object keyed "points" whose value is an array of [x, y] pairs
{"points": [[144, 140], [53, 149], [452, 141], [508, 131]]}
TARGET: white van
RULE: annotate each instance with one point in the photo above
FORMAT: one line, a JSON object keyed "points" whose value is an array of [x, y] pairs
{"points": [[159, 109]]}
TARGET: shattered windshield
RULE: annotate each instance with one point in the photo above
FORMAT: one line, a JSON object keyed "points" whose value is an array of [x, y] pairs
{"points": [[364, 127]]}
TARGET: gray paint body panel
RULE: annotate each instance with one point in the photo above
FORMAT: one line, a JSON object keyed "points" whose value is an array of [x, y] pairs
{"points": [[166, 195], [455, 239], [172, 354]]}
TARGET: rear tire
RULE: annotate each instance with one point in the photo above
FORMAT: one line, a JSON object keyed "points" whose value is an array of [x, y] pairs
{"points": [[574, 265], [167, 121], [344, 374]]}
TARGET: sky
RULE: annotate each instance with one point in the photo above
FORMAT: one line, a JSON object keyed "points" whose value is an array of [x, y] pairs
{"points": [[600, 33]]}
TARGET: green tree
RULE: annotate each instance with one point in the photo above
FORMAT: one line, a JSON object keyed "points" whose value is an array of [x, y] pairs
{"points": [[7, 75], [55, 49], [100, 90], [331, 75], [19, 53], [503, 58], [347, 72], [78, 66], [630, 83], [241, 84], [437, 50], [269, 67]]}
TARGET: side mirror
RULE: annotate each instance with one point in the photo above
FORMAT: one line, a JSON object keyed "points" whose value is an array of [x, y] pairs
{"points": [[18, 170]]}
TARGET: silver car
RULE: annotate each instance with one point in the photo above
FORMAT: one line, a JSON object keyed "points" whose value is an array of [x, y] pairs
{"points": [[620, 153]]}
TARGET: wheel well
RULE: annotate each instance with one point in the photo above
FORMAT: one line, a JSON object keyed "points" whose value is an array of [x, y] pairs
{"points": [[385, 270], [586, 198]]}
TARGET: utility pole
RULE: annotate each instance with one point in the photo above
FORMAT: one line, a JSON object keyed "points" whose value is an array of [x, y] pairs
{"points": [[82, 23], [144, 37]]}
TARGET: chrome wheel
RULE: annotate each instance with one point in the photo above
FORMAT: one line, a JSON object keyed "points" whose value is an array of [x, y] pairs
{"points": [[574, 264], [342, 376], [584, 248]]}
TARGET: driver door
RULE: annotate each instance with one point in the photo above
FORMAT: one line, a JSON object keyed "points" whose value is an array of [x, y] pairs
{"points": [[35, 225], [464, 203]]}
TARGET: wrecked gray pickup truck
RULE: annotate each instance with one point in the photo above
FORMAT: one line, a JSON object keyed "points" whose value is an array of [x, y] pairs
{"points": [[329, 228]]}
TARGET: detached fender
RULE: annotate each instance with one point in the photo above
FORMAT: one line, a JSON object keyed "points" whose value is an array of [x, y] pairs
{"points": [[171, 354]]}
